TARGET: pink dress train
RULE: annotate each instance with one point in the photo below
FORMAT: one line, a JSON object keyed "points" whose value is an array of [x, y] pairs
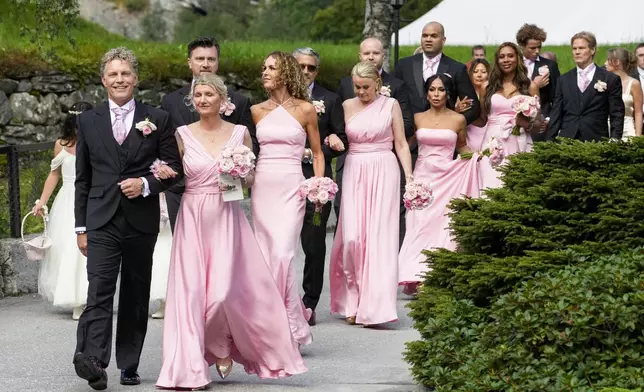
{"points": [[429, 228], [363, 269], [221, 298], [278, 211], [498, 125]]}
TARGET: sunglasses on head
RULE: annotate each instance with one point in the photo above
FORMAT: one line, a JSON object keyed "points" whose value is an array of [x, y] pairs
{"points": [[311, 68]]}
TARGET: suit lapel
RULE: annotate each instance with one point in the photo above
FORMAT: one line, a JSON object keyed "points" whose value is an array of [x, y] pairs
{"points": [[185, 106], [443, 65], [103, 124], [535, 71], [418, 74], [135, 137], [590, 91], [573, 89]]}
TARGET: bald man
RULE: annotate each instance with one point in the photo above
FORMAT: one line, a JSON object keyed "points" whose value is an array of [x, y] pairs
{"points": [[372, 50], [415, 70]]}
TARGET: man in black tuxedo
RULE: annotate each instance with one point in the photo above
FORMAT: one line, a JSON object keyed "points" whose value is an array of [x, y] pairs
{"points": [[203, 58], [372, 50], [117, 217], [415, 70], [330, 122], [544, 72], [587, 97]]}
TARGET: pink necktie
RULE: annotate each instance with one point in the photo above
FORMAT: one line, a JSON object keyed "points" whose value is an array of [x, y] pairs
{"points": [[527, 63], [428, 69], [118, 127], [582, 80]]}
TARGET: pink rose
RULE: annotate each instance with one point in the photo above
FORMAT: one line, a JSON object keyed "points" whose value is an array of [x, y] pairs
{"points": [[146, 131]]}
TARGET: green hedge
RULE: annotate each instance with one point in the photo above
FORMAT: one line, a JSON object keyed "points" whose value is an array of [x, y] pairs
{"points": [[491, 316], [241, 61]]}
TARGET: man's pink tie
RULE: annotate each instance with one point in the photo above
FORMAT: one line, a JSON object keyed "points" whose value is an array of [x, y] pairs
{"points": [[583, 81], [118, 127], [428, 67]]}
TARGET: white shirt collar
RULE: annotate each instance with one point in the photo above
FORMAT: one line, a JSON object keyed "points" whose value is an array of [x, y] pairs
{"points": [[640, 71], [129, 104], [437, 57], [310, 88], [590, 68]]}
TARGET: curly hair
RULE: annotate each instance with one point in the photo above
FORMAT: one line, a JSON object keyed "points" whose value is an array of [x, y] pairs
{"points": [[121, 53], [530, 31], [290, 75], [495, 81]]}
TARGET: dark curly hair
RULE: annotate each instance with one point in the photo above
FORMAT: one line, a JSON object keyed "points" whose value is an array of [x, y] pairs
{"points": [[530, 31], [68, 132], [290, 74], [448, 83], [495, 81]]}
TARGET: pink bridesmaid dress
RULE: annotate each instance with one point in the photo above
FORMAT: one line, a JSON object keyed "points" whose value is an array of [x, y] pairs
{"points": [[278, 211], [498, 123], [363, 269], [221, 300], [475, 137], [429, 228]]}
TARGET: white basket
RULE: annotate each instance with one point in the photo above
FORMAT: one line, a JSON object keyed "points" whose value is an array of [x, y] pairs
{"points": [[36, 248]]}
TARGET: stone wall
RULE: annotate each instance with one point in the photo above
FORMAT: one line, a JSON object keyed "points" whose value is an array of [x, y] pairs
{"points": [[33, 107]]}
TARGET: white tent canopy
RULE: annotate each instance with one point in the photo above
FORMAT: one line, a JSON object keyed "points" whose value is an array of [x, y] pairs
{"points": [[489, 22]]}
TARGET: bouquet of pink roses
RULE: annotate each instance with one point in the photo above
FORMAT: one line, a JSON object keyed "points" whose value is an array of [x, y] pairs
{"points": [[236, 162], [418, 195], [318, 190], [528, 106], [495, 152]]}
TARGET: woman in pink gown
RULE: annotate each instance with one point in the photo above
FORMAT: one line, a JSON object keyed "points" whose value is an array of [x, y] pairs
{"points": [[283, 123], [478, 72], [363, 270], [508, 81], [222, 303], [440, 131]]}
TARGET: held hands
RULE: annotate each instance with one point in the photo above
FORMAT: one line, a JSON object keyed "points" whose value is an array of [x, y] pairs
{"points": [[464, 105], [164, 172], [335, 143], [132, 187]]}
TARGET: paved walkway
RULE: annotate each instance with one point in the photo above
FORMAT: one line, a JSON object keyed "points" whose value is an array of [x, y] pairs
{"points": [[37, 343]]}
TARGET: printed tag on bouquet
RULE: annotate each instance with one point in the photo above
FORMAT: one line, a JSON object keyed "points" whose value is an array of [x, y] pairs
{"points": [[231, 188]]}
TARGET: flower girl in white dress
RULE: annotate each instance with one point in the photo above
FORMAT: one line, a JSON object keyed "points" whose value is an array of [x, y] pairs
{"points": [[161, 260], [63, 273]]}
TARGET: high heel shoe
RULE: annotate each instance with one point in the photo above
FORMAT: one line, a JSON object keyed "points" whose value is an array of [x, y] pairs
{"points": [[224, 370]]}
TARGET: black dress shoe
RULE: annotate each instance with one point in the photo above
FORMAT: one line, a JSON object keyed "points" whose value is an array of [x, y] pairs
{"points": [[90, 369], [130, 377], [312, 320]]}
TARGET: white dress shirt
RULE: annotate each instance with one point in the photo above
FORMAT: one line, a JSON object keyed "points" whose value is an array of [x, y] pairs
{"points": [[530, 65]]}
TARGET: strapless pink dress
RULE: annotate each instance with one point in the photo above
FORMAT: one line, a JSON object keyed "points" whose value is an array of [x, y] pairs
{"points": [[429, 228], [221, 299], [501, 114], [363, 267], [278, 211]]}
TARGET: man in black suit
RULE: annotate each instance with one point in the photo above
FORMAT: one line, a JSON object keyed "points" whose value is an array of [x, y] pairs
{"points": [[117, 217], [331, 125], [372, 50], [587, 97], [544, 72], [203, 58], [415, 70], [638, 72]]}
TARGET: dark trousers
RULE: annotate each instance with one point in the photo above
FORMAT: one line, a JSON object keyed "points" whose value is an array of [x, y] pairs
{"points": [[117, 245], [313, 240]]}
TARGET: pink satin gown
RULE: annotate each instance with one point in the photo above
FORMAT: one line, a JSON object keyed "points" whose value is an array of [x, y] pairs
{"points": [[221, 298], [449, 179], [278, 211], [501, 114], [363, 269], [475, 137]]}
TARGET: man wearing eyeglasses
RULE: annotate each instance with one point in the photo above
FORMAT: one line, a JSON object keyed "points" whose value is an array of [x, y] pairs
{"points": [[331, 125]]}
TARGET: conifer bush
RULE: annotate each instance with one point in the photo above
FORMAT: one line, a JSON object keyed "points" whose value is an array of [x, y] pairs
{"points": [[545, 292]]}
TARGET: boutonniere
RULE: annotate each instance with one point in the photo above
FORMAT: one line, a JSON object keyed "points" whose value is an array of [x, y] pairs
{"points": [[227, 108], [600, 86], [319, 107], [544, 70], [386, 91], [146, 127]]}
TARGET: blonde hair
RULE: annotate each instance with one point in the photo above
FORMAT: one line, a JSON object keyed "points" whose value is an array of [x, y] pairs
{"points": [[290, 75], [214, 81], [627, 60], [368, 70], [585, 35]]}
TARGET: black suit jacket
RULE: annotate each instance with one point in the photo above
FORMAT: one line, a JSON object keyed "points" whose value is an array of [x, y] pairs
{"points": [[584, 116], [99, 169], [178, 105], [329, 122], [547, 93], [410, 70], [398, 91]]}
